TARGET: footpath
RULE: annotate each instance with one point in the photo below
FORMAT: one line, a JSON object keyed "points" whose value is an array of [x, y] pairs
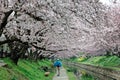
{"points": [[63, 75]]}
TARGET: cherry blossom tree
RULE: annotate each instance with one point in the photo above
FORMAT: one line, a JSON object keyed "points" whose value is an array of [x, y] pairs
{"points": [[59, 26], [111, 39]]}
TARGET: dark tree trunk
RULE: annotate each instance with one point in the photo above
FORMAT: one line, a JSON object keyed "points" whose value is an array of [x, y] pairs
{"points": [[119, 54], [15, 58], [1, 53], [4, 21]]}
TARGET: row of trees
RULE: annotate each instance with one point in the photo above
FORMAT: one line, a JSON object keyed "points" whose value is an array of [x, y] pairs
{"points": [[59, 26]]}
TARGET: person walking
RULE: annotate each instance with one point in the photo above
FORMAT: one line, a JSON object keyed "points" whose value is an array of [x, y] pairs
{"points": [[58, 64]]}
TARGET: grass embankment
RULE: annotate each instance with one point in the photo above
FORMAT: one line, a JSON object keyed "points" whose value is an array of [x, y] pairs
{"points": [[70, 73], [87, 77], [71, 76], [112, 62], [25, 70]]}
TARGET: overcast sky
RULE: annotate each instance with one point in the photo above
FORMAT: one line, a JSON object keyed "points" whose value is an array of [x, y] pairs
{"points": [[109, 2], [105, 2]]}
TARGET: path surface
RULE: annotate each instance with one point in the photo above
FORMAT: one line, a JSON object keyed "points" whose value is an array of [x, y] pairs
{"points": [[63, 75]]}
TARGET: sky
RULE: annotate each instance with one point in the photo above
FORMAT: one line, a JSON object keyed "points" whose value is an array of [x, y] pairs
{"points": [[109, 2], [106, 2]]}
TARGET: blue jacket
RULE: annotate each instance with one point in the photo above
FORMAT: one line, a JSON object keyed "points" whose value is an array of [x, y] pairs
{"points": [[57, 63]]}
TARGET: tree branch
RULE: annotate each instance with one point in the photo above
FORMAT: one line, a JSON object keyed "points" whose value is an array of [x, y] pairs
{"points": [[44, 49], [10, 41], [4, 21], [35, 17]]}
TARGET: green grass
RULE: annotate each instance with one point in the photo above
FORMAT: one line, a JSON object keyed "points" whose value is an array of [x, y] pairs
{"points": [[71, 76], [26, 70], [104, 61], [87, 77], [70, 73], [112, 62]]}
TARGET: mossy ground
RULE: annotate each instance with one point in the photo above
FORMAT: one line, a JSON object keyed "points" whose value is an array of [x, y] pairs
{"points": [[25, 70]]}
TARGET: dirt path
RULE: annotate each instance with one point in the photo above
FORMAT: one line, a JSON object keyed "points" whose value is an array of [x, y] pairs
{"points": [[63, 75]]}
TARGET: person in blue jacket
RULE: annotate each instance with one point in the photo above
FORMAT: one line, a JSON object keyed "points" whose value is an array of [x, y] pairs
{"points": [[58, 64]]}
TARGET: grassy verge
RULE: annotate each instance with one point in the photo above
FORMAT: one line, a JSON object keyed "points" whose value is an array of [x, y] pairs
{"points": [[112, 62], [70, 73], [26, 70], [87, 77], [71, 76]]}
